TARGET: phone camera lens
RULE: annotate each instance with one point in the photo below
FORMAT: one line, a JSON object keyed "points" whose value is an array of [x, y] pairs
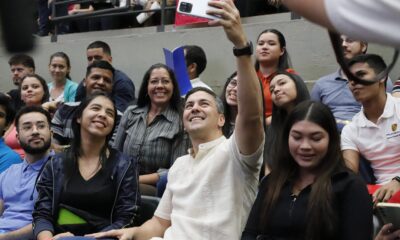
{"points": [[185, 7]]}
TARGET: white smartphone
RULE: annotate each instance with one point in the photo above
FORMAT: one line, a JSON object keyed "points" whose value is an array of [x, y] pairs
{"points": [[195, 8]]}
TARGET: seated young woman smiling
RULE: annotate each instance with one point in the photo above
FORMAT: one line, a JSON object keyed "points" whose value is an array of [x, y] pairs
{"points": [[90, 187]]}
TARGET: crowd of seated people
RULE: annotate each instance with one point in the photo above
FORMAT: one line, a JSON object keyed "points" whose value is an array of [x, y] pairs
{"points": [[86, 156], [373, 131], [99, 78], [333, 90], [45, 11]]}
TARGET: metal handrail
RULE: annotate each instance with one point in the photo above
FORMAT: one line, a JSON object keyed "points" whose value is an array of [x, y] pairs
{"points": [[118, 11]]}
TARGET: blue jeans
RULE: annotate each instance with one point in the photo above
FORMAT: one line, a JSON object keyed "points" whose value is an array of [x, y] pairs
{"points": [[161, 185]]}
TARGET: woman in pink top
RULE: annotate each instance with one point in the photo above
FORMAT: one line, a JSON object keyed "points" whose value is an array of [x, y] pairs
{"points": [[34, 91]]}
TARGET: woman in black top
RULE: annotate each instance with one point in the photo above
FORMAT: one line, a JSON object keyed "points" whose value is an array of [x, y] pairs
{"points": [[90, 187], [310, 194]]}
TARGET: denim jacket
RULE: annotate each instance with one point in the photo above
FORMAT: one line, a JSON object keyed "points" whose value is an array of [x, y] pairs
{"points": [[51, 180]]}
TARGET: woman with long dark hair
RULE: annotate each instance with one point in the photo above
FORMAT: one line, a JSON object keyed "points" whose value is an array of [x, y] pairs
{"points": [[287, 90], [310, 194], [271, 56], [152, 130], [34, 92], [90, 187]]}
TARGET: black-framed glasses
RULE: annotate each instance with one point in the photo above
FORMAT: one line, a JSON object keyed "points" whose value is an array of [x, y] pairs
{"points": [[337, 48]]}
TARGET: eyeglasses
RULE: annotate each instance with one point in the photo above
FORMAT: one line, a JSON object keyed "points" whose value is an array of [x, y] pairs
{"points": [[233, 83], [337, 48]]}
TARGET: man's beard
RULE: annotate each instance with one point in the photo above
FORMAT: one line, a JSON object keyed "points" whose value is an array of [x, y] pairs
{"points": [[36, 150], [17, 82]]}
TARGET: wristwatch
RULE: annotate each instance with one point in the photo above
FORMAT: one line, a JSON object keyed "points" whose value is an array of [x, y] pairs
{"points": [[397, 178], [247, 50]]}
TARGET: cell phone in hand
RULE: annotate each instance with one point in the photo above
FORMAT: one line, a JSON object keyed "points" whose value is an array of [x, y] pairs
{"points": [[388, 213], [197, 8]]}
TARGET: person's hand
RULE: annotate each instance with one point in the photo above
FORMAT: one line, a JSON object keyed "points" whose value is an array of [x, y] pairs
{"points": [[66, 234], [268, 120], [385, 192], [71, 12], [387, 232], [51, 106], [148, 5], [121, 234], [229, 20], [170, 2], [57, 148]]}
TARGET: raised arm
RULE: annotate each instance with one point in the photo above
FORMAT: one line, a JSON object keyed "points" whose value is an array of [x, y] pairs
{"points": [[248, 128], [345, 16]]}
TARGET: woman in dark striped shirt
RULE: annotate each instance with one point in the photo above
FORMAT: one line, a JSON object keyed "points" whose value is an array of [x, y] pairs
{"points": [[152, 130]]}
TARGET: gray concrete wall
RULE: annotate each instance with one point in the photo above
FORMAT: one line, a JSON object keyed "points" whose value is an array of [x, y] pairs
{"points": [[134, 50]]}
